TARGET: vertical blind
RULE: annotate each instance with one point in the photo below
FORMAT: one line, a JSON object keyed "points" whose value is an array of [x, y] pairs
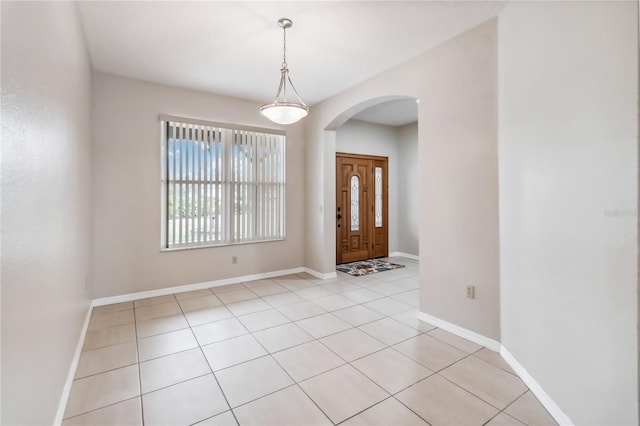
{"points": [[221, 184]]}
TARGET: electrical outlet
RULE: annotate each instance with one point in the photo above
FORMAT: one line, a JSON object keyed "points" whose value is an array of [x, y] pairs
{"points": [[471, 291], [234, 259]]}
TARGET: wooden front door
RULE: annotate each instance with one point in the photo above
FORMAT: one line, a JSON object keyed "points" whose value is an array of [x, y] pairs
{"points": [[361, 207]]}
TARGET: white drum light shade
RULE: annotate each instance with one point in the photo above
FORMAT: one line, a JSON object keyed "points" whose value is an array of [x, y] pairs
{"points": [[281, 110]]}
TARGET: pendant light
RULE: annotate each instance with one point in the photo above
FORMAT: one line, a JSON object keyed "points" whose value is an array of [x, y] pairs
{"points": [[282, 110]]}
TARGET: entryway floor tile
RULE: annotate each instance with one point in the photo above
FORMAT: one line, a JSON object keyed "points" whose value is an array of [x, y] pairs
{"points": [[292, 350]]}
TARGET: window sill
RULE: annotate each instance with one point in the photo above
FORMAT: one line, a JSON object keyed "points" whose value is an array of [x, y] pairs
{"points": [[204, 246]]}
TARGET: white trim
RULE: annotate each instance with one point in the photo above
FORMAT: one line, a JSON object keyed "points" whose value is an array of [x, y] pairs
{"points": [[480, 339], [535, 388], [496, 346], [62, 406], [320, 275], [197, 286], [401, 254], [485, 341]]}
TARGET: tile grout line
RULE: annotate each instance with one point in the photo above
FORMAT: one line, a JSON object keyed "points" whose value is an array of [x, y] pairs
{"points": [[249, 313], [409, 408], [310, 301], [101, 372], [509, 405], [178, 383], [267, 328], [135, 331], [270, 354], [436, 372], [108, 370], [308, 378], [288, 290], [433, 373], [391, 395], [471, 393], [313, 401], [295, 382], [349, 363], [379, 402], [495, 366], [100, 408], [352, 366], [226, 400]]}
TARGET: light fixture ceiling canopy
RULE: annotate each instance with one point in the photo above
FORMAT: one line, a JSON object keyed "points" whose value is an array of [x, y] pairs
{"points": [[284, 110]]}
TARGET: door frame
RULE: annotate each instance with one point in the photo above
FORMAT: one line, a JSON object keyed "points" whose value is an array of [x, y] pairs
{"points": [[385, 205]]}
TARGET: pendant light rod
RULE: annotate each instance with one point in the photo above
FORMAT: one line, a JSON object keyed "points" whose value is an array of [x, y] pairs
{"points": [[284, 23]]}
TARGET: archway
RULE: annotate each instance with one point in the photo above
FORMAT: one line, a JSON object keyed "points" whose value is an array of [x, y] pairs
{"points": [[385, 127]]}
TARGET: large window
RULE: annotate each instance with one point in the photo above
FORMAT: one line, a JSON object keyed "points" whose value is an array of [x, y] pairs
{"points": [[221, 184]]}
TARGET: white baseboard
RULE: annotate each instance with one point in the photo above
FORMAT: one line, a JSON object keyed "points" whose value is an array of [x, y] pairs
{"points": [[160, 292], [320, 275], [401, 254], [62, 406], [496, 346], [197, 286], [535, 388], [478, 338]]}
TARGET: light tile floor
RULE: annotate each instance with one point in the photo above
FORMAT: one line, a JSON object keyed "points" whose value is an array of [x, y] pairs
{"points": [[291, 350]]}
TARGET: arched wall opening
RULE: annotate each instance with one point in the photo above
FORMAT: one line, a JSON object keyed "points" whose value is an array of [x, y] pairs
{"points": [[384, 126], [457, 187]]}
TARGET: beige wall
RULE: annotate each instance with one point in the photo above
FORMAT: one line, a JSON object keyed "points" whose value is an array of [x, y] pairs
{"points": [[45, 205], [456, 84], [568, 202], [408, 189], [459, 181], [359, 137], [126, 255], [567, 308]]}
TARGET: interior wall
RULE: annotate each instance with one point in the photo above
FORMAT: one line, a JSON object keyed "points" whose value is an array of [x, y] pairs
{"points": [[359, 137], [459, 183], [408, 194], [456, 84], [45, 204], [568, 202], [126, 256]]}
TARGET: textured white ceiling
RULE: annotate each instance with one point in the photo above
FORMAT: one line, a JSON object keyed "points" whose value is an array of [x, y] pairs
{"points": [[235, 48]]}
